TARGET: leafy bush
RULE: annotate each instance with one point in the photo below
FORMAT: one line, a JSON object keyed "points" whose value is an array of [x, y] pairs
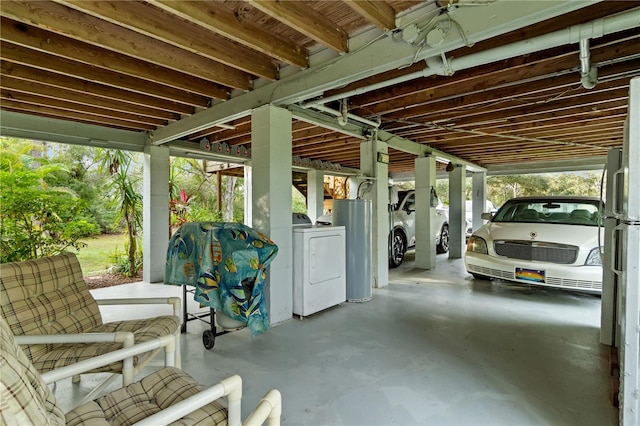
{"points": [[36, 219], [122, 263]]}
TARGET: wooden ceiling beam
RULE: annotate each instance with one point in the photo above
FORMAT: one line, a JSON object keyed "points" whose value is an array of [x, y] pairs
{"points": [[570, 134], [332, 152], [379, 13], [503, 76], [160, 107], [243, 129], [71, 115], [57, 116], [321, 144], [542, 89], [576, 130], [559, 124], [37, 89], [586, 14], [73, 106], [511, 113], [305, 20], [218, 134], [55, 44], [544, 121], [513, 154], [480, 143], [79, 26], [521, 124], [153, 22], [310, 131], [183, 102], [217, 18]]}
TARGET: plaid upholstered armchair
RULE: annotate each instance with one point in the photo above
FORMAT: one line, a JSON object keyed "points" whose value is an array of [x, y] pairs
{"points": [[163, 397], [49, 309]]}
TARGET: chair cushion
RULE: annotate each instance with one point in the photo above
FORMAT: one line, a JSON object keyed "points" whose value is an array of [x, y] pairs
{"points": [[46, 296], [142, 329], [25, 398], [141, 399]]}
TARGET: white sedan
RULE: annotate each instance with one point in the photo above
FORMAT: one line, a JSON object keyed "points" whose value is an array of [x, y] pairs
{"points": [[549, 241]]}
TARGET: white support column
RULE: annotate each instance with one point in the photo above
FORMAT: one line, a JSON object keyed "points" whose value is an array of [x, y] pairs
{"points": [[425, 214], [379, 196], [247, 195], [155, 213], [271, 201], [457, 186], [478, 198], [315, 194]]}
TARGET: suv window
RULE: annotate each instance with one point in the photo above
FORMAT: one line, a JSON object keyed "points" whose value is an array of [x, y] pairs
{"points": [[410, 201]]}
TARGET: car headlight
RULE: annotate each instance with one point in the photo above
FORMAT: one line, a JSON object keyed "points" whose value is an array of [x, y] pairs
{"points": [[477, 245], [594, 258]]}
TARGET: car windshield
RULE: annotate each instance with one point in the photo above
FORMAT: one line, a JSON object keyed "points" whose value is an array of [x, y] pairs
{"points": [[571, 212]]}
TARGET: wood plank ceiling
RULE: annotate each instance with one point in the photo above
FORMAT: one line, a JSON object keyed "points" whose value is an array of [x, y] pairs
{"points": [[141, 65]]}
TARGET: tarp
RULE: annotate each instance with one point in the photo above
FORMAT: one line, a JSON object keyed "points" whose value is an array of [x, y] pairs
{"points": [[225, 262]]}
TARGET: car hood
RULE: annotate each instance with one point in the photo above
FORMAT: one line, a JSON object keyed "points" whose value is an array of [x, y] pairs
{"points": [[578, 235]]}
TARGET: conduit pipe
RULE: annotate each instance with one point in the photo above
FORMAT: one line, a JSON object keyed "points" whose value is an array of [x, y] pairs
{"points": [[344, 112], [588, 74], [597, 28], [361, 90], [338, 114]]}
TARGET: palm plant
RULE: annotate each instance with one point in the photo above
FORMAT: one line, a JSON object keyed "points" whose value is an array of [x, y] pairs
{"points": [[126, 198]]}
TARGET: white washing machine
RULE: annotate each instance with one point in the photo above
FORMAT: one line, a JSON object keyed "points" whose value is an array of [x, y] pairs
{"points": [[319, 272]]}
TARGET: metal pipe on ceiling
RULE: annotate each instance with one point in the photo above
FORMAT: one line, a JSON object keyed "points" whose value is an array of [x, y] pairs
{"points": [[339, 114], [588, 73], [593, 29]]}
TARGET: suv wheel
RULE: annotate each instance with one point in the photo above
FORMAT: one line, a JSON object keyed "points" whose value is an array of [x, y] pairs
{"points": [[398, 248], [443, 245]]}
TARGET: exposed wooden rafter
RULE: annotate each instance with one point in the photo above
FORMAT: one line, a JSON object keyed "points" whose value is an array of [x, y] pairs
{"points": [[70, 23], [379, 13], [305, 20], [219, 19], [169, 69], [152, 22]]}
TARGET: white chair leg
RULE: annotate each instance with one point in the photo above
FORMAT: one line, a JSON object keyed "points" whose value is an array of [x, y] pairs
{"points": [[98, 390]]}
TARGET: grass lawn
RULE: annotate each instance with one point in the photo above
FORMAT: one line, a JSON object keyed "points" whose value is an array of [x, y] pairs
{"points": [[97, 256]]}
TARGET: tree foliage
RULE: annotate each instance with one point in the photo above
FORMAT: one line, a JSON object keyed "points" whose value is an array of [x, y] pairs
{"points": [[37, 219], [194, 194], [86, 179], [503, 188]]}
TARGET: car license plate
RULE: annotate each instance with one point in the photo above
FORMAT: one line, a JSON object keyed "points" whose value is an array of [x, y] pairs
{"points": [[532, 275]]}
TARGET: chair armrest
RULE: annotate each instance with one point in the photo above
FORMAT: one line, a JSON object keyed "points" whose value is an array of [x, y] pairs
{"points": [[269, 408], [167, 342], [230, 387], [125, 337], [174, 301]]}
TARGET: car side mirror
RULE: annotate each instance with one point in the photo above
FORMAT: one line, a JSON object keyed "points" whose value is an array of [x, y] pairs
{"points": [[487, 216]]}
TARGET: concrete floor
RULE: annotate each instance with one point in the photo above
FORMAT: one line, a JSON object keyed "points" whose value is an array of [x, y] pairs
{"points": [[434, 348]]}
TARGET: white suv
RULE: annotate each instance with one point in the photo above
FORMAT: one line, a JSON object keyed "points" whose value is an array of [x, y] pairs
{"points": [[403, 236]]}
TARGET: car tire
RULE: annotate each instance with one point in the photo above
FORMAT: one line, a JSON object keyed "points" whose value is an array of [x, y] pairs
{"points": [[443, 245], [398, 248], [481, 277]]}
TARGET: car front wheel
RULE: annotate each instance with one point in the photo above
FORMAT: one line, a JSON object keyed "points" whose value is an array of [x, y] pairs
{"points": [[398, 248], [443, 245]]}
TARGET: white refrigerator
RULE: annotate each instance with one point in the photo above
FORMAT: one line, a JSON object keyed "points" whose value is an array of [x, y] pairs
{"points": [[621, 260]]}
